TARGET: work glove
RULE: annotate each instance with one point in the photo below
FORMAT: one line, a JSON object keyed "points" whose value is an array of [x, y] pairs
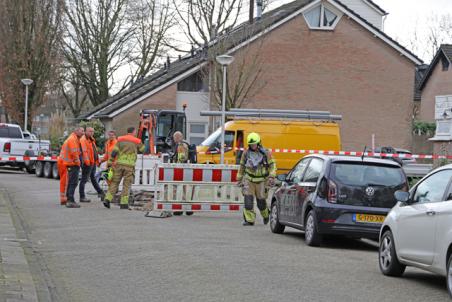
{"points": [[271, 181]]}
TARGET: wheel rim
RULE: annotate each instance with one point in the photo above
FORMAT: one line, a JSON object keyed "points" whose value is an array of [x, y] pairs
{"points": [[309, 228], [274, 217], [385, 252]]}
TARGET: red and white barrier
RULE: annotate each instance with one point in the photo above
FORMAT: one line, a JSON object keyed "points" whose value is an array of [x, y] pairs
{"points": [[24, 158], [189, 173], [198, 207]]}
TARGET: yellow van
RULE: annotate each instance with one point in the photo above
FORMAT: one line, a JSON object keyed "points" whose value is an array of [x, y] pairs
{"points": [[275, 134]]}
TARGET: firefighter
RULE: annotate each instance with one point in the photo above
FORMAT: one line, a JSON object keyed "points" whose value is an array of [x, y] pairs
{"points": [[90, 161], [181, 155], [123, 158], [70, 157], [256, 174]]}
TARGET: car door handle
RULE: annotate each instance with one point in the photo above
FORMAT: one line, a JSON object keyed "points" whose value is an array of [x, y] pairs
{"points": [[430, 213]]}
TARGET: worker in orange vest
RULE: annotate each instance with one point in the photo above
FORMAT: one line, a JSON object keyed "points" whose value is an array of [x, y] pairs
{"points": [[90, 161], [109, 145], [70, 157], [62, 172]]}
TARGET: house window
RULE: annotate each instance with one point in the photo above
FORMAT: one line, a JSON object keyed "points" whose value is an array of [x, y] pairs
{"points": [[445, 63], [197, 133], [193, 83], [321, 17]]}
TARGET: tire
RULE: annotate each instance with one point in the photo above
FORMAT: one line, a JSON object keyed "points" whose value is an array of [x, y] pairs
{"points": [[387, 257], [39, 169], [30, 166], [48, 169], [449, 275], [189, 213], [178, 213], [312, 237], [55, 174], [275, 226]]}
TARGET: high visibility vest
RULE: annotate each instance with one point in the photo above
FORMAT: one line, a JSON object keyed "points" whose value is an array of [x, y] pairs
{"points": [[89, 150], [71, 151], [126, 149], [109, 145]]}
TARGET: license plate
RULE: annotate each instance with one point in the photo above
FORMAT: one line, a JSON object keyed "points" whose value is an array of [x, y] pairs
{"points": [[369, 218]]}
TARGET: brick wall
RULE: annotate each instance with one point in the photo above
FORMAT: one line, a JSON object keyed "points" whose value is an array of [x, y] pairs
{"points": [[439, 83], [165, 99], [347, 71]]}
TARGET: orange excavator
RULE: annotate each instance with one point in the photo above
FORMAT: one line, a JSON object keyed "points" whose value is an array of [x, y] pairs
{"points": [[156, 129]]}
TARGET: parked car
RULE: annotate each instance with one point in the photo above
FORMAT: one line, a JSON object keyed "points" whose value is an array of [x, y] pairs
{"points": [[13, 143], [336, 195], [418, 230]]}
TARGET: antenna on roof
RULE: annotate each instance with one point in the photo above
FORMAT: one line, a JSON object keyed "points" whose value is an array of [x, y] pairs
{"points": [[364, 152]]}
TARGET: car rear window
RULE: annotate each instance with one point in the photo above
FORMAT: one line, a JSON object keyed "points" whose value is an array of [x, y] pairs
{"points": [[365, 184], [10, 132]]}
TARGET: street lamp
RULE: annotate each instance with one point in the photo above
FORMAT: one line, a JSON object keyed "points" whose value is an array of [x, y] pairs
{"points": [[224, 60], [26, 82]]}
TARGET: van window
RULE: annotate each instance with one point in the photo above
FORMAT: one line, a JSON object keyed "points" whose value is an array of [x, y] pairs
{"points": [[10, 132], [215, 138]]}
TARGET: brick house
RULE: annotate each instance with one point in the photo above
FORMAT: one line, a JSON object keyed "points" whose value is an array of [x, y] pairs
{"points": [[436, 100], [315, 55]]}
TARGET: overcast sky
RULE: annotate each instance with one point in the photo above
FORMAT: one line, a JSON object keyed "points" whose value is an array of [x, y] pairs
{"points": [[407, 15]]}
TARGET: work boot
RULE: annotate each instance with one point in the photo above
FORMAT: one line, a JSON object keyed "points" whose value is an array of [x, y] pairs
{"points": [[63, 203], [266, 219], [107, 204], [246, 223], [72, 205], [101, 196], [84, 199], [124, 206]]}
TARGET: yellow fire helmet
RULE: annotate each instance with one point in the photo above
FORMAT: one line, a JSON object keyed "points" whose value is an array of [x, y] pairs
{"points": [[253, 138]]}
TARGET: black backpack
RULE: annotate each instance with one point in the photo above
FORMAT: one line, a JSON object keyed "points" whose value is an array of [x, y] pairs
{"points": [[192, 154]]}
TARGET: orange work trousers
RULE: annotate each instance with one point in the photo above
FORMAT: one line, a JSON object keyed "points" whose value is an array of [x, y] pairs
{"points": [[63, 181]]}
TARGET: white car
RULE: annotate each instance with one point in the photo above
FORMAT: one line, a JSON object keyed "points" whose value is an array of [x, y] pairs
{"points": [[418, 230]]}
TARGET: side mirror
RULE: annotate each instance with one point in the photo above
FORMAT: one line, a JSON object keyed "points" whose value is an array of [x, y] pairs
{"points": [[281, 177], [402, 196]]}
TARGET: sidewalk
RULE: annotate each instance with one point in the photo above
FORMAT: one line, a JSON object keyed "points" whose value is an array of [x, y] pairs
{"points": [[16, 282]]}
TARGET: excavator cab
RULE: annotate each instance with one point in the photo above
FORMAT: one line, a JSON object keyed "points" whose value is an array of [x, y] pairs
{"points": [[157, 127]]}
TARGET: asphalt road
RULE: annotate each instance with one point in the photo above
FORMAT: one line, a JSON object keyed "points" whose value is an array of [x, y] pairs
{"points": [[95, 254]]}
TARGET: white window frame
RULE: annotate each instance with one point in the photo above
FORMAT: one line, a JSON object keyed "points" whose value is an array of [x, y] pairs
{"points": [[322, 12]]}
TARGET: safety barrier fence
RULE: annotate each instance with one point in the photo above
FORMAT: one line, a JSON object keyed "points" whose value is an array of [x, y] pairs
{"points": [[198, 188]]}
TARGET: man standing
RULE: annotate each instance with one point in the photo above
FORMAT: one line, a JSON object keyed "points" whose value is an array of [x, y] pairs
{"points": [[70, 157], [181, 148], [257, 171], [123, 158], [90, 160], [109, 145]]}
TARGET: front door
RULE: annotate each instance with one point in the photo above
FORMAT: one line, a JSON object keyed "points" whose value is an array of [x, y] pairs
{"points": [[416, 222], [307, 186]]}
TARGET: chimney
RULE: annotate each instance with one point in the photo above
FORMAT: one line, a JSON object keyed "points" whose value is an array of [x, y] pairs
{"points": [[180, 58], [251, 11], [192, 51], [168, 62], [259, 4]]}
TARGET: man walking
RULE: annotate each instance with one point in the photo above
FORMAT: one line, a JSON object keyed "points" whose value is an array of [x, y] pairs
{"points": [[123, 158], [257, 171], [70, 157], [90, 161]]}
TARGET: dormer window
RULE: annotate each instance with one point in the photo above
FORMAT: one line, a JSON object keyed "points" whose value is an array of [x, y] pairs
{"points": [[321, 17]]}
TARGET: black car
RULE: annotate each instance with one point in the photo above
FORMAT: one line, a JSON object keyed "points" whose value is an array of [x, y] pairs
{"points": [[336, 195]]}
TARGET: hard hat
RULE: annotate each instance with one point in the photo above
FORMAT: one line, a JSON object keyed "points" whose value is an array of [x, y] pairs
{"points": [[253, 138]]}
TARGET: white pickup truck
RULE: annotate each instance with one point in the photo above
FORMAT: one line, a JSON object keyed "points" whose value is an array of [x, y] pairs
{"points": [[14, 143]]}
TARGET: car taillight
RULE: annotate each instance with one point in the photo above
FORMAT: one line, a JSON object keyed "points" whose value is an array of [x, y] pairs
{"points": [[7, 147], [332, 192]]}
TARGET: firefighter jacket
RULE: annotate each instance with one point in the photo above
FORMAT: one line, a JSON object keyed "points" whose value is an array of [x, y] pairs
{"points": [[125, 151], [71, 151], [89, 151], [109, 145], [256, 166], [181, 155]]}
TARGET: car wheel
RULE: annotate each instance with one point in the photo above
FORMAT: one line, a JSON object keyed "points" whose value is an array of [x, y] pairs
{"points": [[312, 236], [189, 213], [387, 256], [39, 169], [449, 275], [48, 170], [275, 226], [55, 174], [178, 213]]}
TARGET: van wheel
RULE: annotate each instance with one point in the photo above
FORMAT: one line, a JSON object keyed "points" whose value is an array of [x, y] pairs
{"points": [[388, 261], [275, 226], [312, 236], [48, 170], [39, 168]]}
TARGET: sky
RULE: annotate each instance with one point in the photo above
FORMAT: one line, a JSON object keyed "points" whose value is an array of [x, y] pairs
{"points": [[407, 16]]}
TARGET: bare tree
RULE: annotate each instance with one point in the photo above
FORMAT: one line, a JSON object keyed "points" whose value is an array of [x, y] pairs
{"points": [[30, 32], [96, 44], [202, 20], [71, 88], [151, 21]]}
